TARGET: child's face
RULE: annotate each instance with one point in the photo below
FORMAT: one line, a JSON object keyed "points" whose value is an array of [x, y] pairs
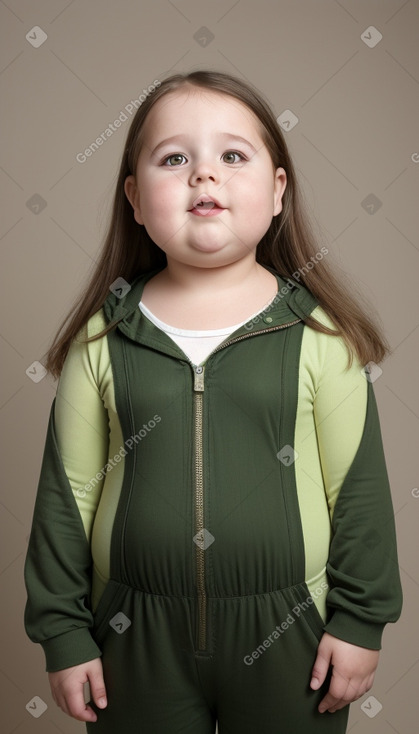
{"points": [[202, 159]]}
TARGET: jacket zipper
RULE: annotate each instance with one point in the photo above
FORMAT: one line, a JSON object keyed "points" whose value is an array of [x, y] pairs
{"points": [[199, 373], [199, 505]]}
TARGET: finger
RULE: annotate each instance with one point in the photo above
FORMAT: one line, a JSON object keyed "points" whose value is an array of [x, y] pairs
{"points": [[97, 686], [320, 668], [340, 705], [327, 703], [77, 708], [336, 696]]}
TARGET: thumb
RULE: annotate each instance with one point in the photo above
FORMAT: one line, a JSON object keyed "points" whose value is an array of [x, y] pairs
{"points": [[97, 685], [320, 667]]}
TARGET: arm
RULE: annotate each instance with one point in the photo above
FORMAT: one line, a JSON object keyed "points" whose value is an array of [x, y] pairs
{"points": [[58, 562], [365, 591], [362, 567]]}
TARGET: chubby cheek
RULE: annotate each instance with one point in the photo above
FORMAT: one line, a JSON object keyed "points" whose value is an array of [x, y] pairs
{"points": [[162, 205], [257, 205]]}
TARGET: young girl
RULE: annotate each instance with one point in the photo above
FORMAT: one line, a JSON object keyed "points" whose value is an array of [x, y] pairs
{"points": [[213, 536]]}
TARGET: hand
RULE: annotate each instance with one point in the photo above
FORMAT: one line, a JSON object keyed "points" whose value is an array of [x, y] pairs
{"points": [[353, 672], [67, 689]]}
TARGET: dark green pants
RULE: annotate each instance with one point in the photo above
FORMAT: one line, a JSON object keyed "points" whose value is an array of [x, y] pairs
{"points": [[249, 679]]}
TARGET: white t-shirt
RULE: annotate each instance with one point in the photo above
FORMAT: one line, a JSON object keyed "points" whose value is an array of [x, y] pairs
{"points": [[197, 345]]}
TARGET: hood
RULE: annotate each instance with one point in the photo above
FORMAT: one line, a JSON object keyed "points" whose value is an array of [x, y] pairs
{"points": [[292, 301]]}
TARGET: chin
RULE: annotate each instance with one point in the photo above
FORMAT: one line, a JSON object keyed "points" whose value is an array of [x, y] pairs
{"points": [[213, 258], [207, 245], [209, 248]]}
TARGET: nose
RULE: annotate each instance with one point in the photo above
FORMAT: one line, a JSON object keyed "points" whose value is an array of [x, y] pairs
{"points": [[203, 170]]}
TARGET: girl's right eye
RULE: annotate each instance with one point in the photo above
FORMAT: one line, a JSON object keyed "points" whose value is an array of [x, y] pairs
{"points": [[174, 155]]}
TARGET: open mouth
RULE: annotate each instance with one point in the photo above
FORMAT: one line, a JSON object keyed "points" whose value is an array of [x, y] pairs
{"points": [[206, 206]]}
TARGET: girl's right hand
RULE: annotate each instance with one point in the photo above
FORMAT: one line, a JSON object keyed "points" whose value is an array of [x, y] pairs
{"points": [[67, 689]]}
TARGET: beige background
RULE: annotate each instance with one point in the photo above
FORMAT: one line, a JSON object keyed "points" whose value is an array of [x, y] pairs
{"points": [[355, 142]]}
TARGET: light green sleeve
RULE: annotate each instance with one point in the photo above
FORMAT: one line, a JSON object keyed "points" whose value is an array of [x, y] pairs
{"points": [[82, 424], [329, 424], [90, 439], [340, 404]]}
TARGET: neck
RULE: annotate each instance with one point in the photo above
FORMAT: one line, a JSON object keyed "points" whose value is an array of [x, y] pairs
{"points": [[188, 278]]}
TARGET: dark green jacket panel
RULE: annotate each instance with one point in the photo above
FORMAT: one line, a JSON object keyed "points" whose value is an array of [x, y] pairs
{"points": [[58, 568], [363, 567]]}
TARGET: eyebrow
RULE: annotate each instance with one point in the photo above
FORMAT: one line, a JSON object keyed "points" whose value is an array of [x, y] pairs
{"points": [[230, 136]]}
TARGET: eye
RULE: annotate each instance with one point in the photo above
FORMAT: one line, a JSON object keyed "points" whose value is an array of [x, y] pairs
{"points": [[174, 155], [234, 152], [180, 155]]}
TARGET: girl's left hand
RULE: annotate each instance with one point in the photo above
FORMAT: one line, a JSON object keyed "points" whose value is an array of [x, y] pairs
{"points": [[353, 671]]}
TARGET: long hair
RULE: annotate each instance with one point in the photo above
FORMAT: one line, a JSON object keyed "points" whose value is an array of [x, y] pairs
{"points": [[289, 246]]}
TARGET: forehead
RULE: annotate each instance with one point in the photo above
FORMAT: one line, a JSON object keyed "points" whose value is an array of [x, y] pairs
{"points": [[195, 108]]}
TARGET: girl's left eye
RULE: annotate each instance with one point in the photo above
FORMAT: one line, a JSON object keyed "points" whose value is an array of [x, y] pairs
{"points": [[180, 155], [234, 152]]}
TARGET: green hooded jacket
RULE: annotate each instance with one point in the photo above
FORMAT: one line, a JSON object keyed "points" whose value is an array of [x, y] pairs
{"points": [[262, 468]]}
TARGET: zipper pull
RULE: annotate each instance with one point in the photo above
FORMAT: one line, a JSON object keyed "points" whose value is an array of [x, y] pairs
{"points": [[199, 379]]}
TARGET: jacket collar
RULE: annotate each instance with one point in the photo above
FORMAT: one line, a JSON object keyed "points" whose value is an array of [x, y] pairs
{"points": [[292, 301]]}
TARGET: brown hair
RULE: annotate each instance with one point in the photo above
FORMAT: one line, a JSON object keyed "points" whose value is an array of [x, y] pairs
{"points": [[289, 246]]}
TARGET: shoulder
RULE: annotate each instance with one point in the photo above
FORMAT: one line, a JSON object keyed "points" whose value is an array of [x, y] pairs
{"points": [[94, 325], [325, 357], [89, 357], [319, 314], [334, 345]]}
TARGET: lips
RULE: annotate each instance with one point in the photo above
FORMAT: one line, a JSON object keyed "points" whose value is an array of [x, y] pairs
{"points": [[204, 204]]}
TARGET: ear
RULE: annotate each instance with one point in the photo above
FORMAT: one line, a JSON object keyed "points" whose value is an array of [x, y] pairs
{"points": [[133, 196], [280, 185]]}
